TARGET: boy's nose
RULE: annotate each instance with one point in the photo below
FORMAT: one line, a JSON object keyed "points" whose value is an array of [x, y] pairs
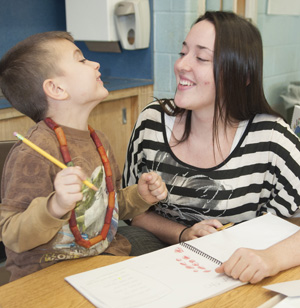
{"points": [[97, 65]]}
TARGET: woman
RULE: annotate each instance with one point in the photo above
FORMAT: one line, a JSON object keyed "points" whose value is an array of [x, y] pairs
{"points": [[224, 154]]}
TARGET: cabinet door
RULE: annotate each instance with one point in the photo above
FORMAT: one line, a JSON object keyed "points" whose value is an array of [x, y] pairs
{"points": [[116, 120], [12, 121]]}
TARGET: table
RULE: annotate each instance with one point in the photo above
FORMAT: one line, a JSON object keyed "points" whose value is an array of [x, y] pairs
{"points": [[47, 288]]}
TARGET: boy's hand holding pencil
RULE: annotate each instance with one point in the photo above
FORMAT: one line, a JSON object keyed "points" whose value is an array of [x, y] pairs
{"points": [[68, 183], [68, 191]]}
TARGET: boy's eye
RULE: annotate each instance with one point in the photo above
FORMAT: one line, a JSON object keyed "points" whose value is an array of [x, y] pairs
{"points": [[83, 60], [181, 54]]}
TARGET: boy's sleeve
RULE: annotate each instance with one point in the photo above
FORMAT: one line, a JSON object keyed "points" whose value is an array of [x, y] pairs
{"points": [[17, 228], [27, 184], [131, 203]]}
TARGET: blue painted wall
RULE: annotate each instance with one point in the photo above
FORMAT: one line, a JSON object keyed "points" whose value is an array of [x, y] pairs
{"points": [[19, 19]]}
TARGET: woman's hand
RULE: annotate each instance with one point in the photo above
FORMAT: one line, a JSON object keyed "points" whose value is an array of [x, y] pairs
{"points": [[199, 229], [249, 265]]}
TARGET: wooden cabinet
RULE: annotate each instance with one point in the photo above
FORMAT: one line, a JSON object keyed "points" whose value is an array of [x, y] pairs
{"points": [[115, 116]]}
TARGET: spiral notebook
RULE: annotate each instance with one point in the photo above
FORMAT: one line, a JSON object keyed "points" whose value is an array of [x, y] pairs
{"points": [[179, 275]]}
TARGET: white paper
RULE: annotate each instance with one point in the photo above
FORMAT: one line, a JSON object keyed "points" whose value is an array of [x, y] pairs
{"points": [[107, 285], [258, 233], [165, 278], [288, 288], [289, 302], [176, 276]]}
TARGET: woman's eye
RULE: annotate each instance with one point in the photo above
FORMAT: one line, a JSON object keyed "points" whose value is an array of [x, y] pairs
{"points": [[202, 60], [181, 54], [82, 61]]}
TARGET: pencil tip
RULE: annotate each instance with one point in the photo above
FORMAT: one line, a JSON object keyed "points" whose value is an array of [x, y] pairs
{"points": [[94, 188]]}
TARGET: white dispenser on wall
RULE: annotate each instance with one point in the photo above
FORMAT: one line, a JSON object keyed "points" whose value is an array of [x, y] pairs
{"points": [[91, 20], [102, 23], [132, 19]]}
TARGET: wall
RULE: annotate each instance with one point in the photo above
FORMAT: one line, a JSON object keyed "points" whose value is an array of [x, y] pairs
{"points": [[172, 21], [281, 42], [19, 19]]}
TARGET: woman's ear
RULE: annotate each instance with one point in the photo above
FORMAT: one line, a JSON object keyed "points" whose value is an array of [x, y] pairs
{"points": [[54, 91]]}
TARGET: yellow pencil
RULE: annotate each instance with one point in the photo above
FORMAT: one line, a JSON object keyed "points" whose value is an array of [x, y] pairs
{"points": [[51, 158], [225, 226]]}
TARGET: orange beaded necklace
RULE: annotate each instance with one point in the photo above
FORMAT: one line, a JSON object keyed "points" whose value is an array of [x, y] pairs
{"points": [[108, 178]]}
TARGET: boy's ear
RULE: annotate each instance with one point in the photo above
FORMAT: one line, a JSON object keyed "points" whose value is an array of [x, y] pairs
{"points": [[53, 90]]}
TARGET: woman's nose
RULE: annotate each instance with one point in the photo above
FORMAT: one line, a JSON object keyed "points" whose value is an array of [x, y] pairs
{"points": [[183, 63]]}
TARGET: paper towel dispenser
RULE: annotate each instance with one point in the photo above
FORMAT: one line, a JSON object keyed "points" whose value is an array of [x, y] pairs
{"points": [[132, 19], [103, 23], [91, 20]]}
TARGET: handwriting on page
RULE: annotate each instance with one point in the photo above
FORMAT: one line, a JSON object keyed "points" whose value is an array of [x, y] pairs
{"points": [[122, 283]]}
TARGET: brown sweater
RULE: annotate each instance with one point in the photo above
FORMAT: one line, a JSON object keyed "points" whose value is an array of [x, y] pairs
{"points": [[28, 231]]}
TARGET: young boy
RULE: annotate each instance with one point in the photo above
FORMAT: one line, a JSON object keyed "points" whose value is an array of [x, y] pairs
{"points": [[45, 216]]}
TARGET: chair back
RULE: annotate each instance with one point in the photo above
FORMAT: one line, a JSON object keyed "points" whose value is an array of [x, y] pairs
{"points": [[5, 147]]}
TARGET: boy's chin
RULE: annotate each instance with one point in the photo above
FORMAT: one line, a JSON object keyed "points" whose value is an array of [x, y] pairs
{"points": [[104, 94]]}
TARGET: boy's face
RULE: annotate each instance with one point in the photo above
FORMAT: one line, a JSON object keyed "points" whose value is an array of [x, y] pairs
{"points": [[79, 77]]}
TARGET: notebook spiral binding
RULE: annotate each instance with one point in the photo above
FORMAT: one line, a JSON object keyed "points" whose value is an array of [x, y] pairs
{"points": [[201, 253]]}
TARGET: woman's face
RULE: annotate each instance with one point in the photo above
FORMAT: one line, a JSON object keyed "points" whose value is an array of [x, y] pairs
{"points": [[194, 69]]}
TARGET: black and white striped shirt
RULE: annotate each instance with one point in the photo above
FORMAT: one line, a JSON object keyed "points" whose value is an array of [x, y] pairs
{"points": [[262, 173]]}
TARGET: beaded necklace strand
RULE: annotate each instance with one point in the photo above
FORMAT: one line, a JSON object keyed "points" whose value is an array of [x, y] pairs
{"points": [[108, 178]]}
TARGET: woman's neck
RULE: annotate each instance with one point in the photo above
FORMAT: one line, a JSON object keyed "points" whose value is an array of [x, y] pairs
{"points": [[202, 148]]}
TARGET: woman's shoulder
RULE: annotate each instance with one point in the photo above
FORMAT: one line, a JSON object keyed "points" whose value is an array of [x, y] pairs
{"points": [[275, 126], [152, 111], [266, 117], [270, 120], [157, 110], [152, 107]]}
